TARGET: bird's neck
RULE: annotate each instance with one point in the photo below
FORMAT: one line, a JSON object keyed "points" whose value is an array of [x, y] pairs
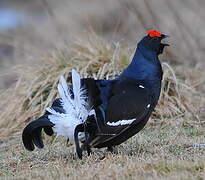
{"points": [[145, 68], [145, 65]]}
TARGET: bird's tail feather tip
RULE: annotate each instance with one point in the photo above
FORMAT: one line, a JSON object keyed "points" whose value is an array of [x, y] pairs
{"points": [[31, 135]]}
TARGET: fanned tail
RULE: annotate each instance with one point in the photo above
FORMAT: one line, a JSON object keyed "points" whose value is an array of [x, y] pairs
{"points": [[64, 117]]}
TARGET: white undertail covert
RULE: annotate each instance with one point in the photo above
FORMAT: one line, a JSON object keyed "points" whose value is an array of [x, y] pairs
{"points": [[75, 105]]}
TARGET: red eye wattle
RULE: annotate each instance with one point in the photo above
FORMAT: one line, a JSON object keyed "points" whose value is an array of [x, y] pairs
{"points": [[154, 33]]}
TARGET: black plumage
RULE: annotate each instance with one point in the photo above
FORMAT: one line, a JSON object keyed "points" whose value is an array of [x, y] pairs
{"points": [[117, 109]]}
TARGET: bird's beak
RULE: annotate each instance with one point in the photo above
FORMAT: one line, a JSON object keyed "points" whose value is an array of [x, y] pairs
{"points": [[165, 44], [165, 36]]}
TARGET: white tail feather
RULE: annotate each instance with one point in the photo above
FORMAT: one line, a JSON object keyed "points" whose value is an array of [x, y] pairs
{"points": [[64, 123], [76, 109], [79, 99], [65, 95]]}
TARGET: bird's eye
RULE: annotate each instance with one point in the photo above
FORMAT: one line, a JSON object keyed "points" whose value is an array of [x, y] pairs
{"points": [[155, 39]]}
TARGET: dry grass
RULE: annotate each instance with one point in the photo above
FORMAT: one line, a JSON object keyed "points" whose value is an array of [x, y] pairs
{"points": [[153, 154], [36, 88], [163, 150]]}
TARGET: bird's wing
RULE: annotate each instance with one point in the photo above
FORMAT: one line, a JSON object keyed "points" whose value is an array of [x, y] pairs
{"points": [[129, 101], [129, 104]]}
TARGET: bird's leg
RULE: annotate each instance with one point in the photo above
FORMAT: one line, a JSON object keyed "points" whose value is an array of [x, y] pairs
{"points": [[86, 143], [87, 148], [79, 128]]}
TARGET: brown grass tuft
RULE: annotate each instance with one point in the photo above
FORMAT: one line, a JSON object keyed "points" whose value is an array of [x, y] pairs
{"points": [[36, 87]]}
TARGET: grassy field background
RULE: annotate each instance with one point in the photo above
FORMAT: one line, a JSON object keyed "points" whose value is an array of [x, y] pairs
{"points": [[98, 39]]}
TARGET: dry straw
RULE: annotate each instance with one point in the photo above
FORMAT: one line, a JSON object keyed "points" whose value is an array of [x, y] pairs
{"points": [[36, 87]]}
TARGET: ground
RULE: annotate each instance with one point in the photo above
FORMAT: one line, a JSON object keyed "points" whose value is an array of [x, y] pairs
{"points": [[98, 40], [157, 152]]}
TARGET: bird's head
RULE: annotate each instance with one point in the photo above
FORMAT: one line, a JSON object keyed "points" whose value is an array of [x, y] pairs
{"points": [[153, 41]]}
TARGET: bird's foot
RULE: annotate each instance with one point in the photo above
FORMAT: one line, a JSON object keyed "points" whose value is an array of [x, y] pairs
{"points": [[67, 142], [110, 149], [87, 148]]}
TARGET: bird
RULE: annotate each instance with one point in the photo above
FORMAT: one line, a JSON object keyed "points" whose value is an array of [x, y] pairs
{"points": [[100, 113]]}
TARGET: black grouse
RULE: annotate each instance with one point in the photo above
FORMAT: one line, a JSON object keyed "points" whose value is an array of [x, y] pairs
{"points": [[104, 113]]}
